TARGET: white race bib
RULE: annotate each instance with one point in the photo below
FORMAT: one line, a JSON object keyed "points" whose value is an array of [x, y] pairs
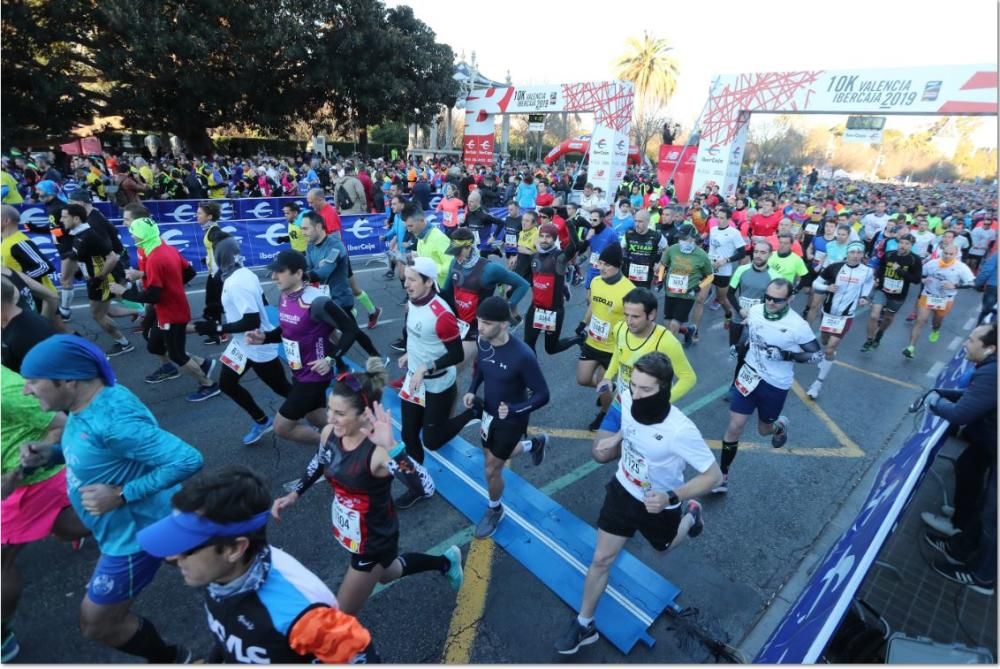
{"points": [[475, 235], [748, 302], [634, 466], [346, 524], [598, 329], [811, 228], [544, 320], [937, 303], [484, 426], [463, 328], [894, 286], [419, 397], [833, 324], [448, 218], [324, 289], [594, 257], [292, 353], [510, 239], [234, 357], [746, 380], [638, 272], [677, 284]]}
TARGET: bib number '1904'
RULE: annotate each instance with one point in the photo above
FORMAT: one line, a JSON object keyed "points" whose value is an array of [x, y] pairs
{"points": [[346, 525]]}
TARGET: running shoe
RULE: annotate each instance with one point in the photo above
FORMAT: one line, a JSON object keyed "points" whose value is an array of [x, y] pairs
{"points": [[814, 389], [257, 431], [64, 314], [690, 335], [408, 499], [488, 524], [940, 524], [538, 444], [164, 373], [941, 546], [455, 573], [595, 424], [726, 324], [909, 352], [208, 366], [868, 345], [780, 435], [723, 487], [878, 341], [373, 318], [934, 336], [732, 354], [389, 273], [118, 349], [912, 317], [10, 648], [714, 306], [576, 635], [211, 340], [694, 508], [184, 655], [398, 345], [204, 392], [964, 577]]}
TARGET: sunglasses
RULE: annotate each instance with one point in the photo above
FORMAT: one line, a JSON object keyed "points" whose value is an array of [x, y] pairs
{"points": [[351, 381], [775, 300]]}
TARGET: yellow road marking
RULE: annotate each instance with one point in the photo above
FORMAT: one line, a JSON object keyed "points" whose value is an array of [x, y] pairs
{"points": [[470, 603], [912, 386], [847, 446]]}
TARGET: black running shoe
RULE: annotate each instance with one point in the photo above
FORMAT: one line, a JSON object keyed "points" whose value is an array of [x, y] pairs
{"points": [[576, 635]]}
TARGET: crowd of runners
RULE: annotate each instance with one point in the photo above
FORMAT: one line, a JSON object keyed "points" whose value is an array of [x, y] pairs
{"points": [[84, 457]]}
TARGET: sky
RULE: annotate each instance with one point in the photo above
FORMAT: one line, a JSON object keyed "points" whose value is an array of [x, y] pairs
{"points": [[578, 40]]}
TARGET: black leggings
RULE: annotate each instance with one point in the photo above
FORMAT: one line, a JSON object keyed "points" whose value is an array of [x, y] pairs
{"points": [[213, 298], [553, 344], [438, 428], [272, 373], [170, 342]]}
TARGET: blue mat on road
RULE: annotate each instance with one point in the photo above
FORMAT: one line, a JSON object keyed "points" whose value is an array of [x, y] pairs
{"points": [[550, 542]]}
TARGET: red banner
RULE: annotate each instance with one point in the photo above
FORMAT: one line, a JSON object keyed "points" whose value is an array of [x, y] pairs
{"points": [[478, 150], [670, 155], [88, 146]]}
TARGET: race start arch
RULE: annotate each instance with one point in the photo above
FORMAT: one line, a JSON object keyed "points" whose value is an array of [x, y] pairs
{"points": [[953, 90], [610, 101]]}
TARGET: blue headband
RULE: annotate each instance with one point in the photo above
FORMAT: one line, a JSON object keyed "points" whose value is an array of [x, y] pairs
{"points": [[67, 358], [181, 531]]}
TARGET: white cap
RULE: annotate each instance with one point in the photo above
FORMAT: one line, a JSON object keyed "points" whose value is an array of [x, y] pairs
{"points": [[426, 267]]}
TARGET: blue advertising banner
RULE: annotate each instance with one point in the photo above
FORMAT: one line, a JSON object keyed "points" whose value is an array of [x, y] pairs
{"points": [[808, 626]]}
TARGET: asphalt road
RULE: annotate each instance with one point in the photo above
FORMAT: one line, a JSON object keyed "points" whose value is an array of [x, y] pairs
{"points": [[755, 537]]}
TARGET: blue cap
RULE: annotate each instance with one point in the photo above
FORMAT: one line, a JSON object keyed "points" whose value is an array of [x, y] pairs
{"points": [[47, 187], [180, 532]]}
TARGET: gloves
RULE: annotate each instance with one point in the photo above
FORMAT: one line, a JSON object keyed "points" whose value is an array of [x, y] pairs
{"points": [[206, 328], [312, 276], [581, 328], [284, 239]]}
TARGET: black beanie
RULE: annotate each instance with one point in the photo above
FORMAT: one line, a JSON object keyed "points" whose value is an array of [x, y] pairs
{"points": [[494, 308], [612, 255]]}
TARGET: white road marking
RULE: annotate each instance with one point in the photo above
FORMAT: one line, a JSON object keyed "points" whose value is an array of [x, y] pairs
{"points": [[954, 343], [935, 370]]}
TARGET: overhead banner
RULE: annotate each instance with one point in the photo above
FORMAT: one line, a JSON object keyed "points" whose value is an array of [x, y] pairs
{"points": [[611, 101], [682, 158], [954, 90]]}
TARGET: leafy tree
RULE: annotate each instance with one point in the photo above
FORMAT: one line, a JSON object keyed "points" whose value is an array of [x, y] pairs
{"points": [[390, 133], [648, 64]]}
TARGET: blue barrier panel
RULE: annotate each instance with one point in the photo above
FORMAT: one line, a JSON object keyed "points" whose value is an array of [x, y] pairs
{"points": [[550, 542], [807, 627]]}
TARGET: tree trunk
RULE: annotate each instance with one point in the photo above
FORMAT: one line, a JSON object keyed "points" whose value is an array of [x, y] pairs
{"points": [[363, 141], [196, 140]]}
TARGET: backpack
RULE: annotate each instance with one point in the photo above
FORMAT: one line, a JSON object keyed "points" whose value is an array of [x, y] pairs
{"points": [[118, 193], [344, 200]]}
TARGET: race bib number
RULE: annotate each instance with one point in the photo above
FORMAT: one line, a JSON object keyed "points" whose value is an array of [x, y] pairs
{"points": [[484, 426], [894, 286], [811, 228], [545, 320], [818, 259], [638, 272], [833, 324], [418, 397], [448, 219], [346, 524], [598, 329], [594, 257], [746, 380], [234, 357], [748, 302], [677, 284], [324, 289], [510, 239], [937, 303], [292, 353], [463, 328], [634, 466]]}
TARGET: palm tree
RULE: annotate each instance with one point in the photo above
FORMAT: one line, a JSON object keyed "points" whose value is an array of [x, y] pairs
{"points": [[648, 64]]}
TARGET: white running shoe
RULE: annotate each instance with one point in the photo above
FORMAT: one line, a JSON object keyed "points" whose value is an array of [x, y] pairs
{"points": [[814, 389]]}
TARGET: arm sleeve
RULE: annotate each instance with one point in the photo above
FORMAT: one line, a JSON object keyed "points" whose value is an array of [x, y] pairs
{"points": [[331, 635], [454, 353], [810, 353], [169, 460], [497, 273], [250, 321], [314, 469], [32, 262], [740, 254], [684, 374], [533, 378], [326, 310], [151, 295]]}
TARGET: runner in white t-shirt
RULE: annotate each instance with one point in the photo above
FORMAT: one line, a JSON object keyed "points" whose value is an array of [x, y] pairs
{"points": [[943, 277], [777, 338], [653, 442], [983, 237], [243, 306], [726, 247]]}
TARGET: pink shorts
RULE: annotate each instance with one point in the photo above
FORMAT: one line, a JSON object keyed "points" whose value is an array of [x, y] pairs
{"points": [[30, 511]]}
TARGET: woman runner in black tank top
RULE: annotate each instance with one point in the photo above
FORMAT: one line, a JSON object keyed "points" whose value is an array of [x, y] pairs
{"points": [[354, 456]]}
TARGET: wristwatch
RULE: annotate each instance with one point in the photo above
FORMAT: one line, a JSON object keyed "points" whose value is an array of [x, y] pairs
{"points": [[674, 500]]}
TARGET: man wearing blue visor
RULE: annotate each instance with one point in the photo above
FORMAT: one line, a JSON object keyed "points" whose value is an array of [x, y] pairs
{"points": [[263, 606]]}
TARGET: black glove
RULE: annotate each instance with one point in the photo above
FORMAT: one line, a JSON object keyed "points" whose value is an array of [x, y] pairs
{"points": [[284, 239], [95, 283], [312, 276], [581, 328], [206, 328]]}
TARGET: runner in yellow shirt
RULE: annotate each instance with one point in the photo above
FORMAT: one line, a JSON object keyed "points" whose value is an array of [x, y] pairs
{"points": [[606, 311]]}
